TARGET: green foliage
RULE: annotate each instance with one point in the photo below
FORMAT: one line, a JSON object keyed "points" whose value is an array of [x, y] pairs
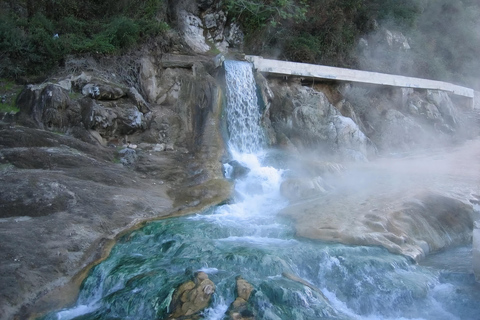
{"points": [[401, 14], [8, 107], [324, 31], [444, 34], [8, 94], [257, 14], [28, 45]]}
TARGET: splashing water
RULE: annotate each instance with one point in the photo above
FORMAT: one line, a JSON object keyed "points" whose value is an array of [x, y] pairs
{"points": [[247, 238], [243, 115]]}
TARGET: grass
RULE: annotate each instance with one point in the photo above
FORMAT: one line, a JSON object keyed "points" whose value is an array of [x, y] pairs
{"points": [[9, 91], [75, 95]]}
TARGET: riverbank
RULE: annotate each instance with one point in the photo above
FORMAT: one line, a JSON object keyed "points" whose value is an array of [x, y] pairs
{"points": [[64, 202]]}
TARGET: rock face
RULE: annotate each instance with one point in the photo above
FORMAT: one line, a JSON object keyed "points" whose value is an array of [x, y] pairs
{"points": [[192, 297], [94, 158], [205, 28], [306, 119], [385, 51], [356, 123]]}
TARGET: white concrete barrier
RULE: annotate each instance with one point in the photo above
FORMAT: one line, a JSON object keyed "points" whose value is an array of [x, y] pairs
{"points": [[342, 74]]}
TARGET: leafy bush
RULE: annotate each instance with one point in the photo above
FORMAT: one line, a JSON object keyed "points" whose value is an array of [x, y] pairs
{"points": [[257, 14], [35, 39]]}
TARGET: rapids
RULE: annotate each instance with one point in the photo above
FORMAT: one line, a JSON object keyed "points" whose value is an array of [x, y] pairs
{"points": [[245, 237]]}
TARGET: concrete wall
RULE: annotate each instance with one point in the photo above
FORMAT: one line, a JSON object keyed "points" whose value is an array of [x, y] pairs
{"points": [[351, 75]]}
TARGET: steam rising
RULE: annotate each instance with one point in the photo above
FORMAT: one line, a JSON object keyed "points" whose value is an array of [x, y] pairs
{"points": [[443, 44]]}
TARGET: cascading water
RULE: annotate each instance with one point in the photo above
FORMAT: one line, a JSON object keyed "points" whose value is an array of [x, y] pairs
{"points": [[246, 238], [243, 116]]}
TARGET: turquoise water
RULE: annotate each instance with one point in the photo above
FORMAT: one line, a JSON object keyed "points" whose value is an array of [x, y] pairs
{"points": [[137, 280]]}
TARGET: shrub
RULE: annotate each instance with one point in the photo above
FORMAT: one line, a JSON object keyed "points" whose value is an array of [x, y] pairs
{"points": [[122, 32], [28, 45]]}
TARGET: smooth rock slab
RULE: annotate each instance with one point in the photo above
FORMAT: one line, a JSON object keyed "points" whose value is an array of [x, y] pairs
{"points": [[409, 206]]}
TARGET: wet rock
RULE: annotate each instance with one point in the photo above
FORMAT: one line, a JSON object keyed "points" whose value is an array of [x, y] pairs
{"points": [[238, 310], [295, 189], [74, 194], [295, 278], [236, 170], [407, 206], [190, 298]]}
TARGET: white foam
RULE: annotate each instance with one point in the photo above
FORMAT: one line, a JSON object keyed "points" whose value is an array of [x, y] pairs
{"points": [[259, 240], [209, 270], [76, 312], [217, 312]]}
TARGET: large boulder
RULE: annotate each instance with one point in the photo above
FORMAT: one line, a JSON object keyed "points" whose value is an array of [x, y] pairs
{"points": [[47, 107], [204, 26]]}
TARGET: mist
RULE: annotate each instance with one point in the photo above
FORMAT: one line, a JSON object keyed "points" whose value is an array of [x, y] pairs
{"points": [[442, 43]]}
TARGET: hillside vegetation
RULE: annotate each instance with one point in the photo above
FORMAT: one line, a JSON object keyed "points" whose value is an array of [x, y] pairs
{"points": [[36, 35], [444, 34]]}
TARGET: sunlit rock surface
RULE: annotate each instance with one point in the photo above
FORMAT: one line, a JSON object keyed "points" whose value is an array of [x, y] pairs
{"points": [[412, 206]]}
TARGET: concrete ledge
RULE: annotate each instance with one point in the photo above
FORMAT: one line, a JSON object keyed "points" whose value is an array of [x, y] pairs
{"points": [[342, 74], [179, 61]]}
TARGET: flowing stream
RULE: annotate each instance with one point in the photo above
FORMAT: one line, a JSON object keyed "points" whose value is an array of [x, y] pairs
{"points": [[246, 238]]}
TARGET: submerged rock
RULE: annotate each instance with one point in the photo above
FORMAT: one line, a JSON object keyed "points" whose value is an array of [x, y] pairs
{"points": [[236, 170], [192, 297]]}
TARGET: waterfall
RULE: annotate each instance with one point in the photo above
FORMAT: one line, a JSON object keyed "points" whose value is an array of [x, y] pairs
{"points": [[243, 115]]}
